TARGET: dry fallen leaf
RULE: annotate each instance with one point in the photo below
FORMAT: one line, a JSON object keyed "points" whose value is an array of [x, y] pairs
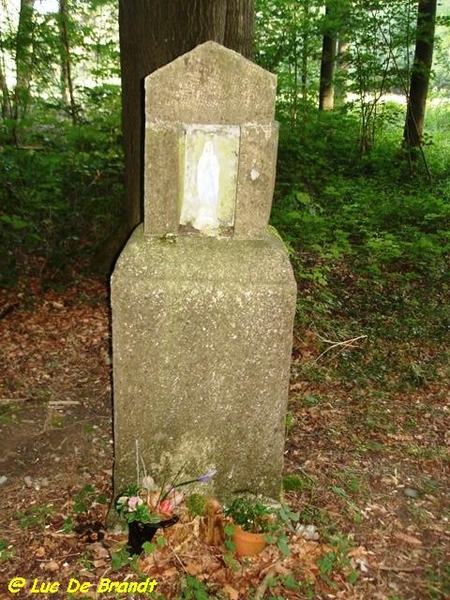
{"points": [[231, 592], [408, 539]]}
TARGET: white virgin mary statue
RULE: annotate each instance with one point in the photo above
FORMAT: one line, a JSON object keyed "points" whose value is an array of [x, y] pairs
{"points": [[208, 172]]}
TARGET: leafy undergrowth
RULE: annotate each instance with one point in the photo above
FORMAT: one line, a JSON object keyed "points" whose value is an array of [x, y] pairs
{"points": [[367, 454]]}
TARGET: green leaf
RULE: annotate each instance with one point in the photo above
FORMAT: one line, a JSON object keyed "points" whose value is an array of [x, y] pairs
{"points": [[339, 491], [353, 577], [119, 559], [148, 547], [16, 222], [283, 545]]}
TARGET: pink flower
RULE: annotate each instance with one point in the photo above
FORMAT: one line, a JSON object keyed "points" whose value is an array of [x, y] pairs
{"points": [[133, 502], [166, 506]]}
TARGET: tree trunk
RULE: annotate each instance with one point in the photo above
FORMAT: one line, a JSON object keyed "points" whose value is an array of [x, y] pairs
{"points": [[152, 34], [24, 64], [305, 53], [420, 77], [341, 70], [327, 65], [67, 92], [340, 14], [6, 108], [24, 57]]}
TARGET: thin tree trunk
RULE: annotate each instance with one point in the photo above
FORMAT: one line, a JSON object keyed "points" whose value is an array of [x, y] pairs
{"points": [[24, 65], [341, 71], [24, 58], [327, 66], [305, 53], [67, 91], [420, 77], [6, 108]]}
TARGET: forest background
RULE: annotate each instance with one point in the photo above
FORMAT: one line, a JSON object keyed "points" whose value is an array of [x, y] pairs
{"points": [[350, 187]]}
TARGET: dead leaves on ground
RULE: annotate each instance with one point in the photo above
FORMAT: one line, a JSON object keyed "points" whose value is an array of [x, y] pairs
{"points": [[184, 551], [392, 443]]}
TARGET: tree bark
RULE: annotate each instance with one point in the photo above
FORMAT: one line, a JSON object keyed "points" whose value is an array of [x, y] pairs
{"points": [[305, 53], [420, 77], [24, 58], [152, 34], [341, 70], [67, 92], [6, 108], [24, 66], [327, 65]]}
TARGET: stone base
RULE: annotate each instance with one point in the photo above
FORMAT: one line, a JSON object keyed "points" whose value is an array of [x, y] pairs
{"points": [[202, 337]]}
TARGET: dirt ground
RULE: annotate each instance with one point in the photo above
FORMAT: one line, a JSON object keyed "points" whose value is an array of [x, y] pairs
{"points": [[372, 473]]}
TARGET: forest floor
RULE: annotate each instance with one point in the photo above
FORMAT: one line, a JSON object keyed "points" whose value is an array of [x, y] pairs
{"points": [[370, 452]]}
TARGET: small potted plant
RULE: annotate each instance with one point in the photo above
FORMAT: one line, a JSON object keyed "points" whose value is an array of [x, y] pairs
{"points": [[253, 521], [147, 507]]}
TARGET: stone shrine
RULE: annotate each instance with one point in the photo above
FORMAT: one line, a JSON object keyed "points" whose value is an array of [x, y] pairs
{"points": [[203, 294]]}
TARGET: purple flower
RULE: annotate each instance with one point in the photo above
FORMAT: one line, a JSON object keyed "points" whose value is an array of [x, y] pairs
{"points": [[206, 478]]}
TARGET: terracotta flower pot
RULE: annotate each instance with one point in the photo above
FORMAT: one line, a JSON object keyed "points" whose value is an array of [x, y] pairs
{"points": [[139, 533], [248, 543]]}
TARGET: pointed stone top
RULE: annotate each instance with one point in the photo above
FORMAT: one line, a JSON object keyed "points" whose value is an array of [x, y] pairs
{"points": [[210, 84]]}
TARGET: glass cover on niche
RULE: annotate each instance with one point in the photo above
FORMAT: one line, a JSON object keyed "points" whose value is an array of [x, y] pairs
{"points": [[209, 158]]}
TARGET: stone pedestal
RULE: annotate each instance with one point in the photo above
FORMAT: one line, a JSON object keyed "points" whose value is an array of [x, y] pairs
{"points": [[202, 341]]}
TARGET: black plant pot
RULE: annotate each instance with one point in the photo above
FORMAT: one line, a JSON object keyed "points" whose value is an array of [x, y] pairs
{"points": [[139, 533]]}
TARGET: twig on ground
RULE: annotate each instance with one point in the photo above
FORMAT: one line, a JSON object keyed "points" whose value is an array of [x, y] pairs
{"points": [[12, 400], [399, 569], [344, 345]]}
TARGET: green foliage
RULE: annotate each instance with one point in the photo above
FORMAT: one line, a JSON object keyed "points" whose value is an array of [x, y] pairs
{"points": [[438, 581], [287, 36], [333, 206], [35, 516], [5, 551], [230, 548], [196, 504], [250, 515], [61, 181], [67, 526], [84, 499], [120, 559], [297, 483], [150, 547], [289, 424], [193, 589], [60, 191], [337, 559]]}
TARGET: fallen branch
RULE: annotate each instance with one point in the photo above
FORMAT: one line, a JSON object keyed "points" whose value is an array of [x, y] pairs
{"points": [[56, 403], [12, 400], [399, 569], [344, 345]]}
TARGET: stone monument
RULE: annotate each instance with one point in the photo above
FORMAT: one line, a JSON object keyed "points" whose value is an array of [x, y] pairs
{"points": [[203, 294]]}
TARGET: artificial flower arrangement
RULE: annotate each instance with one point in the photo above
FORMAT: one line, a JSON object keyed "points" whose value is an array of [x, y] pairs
{"points": [[151, 503]]}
